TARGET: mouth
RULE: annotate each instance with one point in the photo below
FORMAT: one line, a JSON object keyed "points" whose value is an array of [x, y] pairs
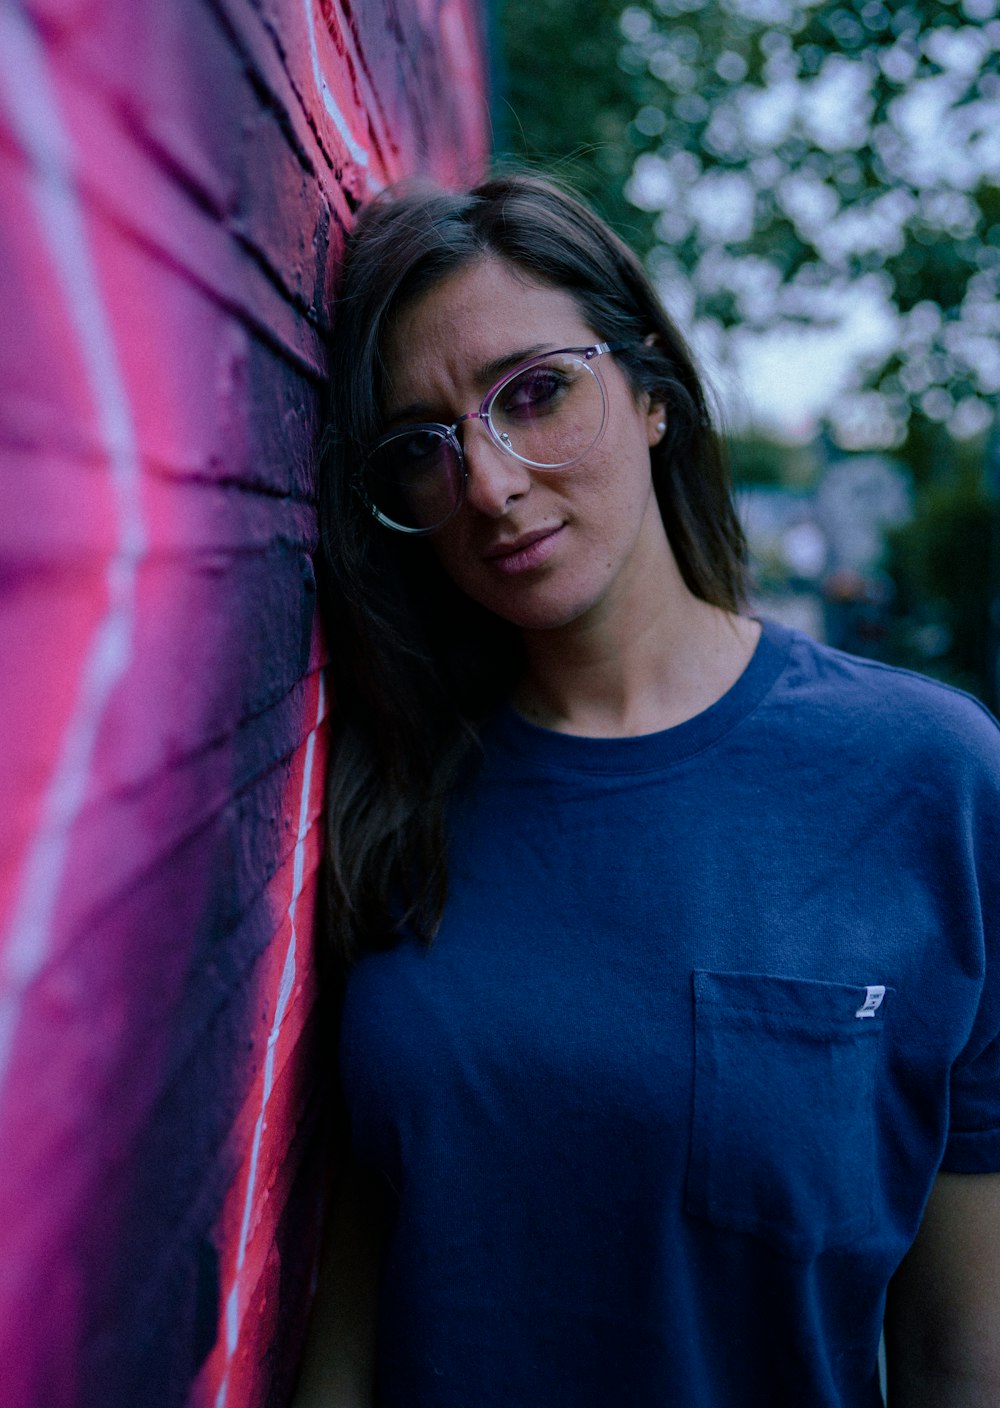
{"points": [[528, 550]]}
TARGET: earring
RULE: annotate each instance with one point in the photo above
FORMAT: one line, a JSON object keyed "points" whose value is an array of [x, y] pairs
{"points": [[661, 426]]}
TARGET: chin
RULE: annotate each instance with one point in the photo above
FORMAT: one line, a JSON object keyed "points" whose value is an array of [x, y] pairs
{"points": [[540, 615]]}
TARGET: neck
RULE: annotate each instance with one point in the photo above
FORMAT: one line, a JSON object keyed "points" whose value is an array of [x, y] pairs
{"points": [[624, 674]]}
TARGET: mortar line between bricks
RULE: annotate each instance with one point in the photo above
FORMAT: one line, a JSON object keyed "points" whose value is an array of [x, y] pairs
{"points": [[257, 49], [249, 263], [201, 824]]}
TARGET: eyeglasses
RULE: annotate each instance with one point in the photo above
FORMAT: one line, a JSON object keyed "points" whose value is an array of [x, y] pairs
{"points": [[548, 413]]}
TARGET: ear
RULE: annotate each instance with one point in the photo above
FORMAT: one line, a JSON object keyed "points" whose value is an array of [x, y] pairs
{"points": [[656, 423], [656, 412]]}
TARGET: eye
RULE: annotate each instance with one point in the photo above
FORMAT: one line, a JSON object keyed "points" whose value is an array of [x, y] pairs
{"points": [[534, 392], [420, 452], [418, 446]]}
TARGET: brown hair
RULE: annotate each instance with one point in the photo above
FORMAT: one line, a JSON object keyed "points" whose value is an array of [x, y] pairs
{"points": [[419, 665]]}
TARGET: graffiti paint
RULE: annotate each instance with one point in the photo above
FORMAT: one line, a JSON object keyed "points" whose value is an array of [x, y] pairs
{"points": [[175, 184]]}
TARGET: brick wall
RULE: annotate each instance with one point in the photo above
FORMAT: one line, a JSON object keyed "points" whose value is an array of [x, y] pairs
{"points": [[176, 177]]}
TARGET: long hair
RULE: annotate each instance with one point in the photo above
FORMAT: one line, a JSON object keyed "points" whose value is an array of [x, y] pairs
{"points": [[419, 664]]}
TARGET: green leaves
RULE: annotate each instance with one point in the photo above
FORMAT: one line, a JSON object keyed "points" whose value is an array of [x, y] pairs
{"points": [[781, 156]]}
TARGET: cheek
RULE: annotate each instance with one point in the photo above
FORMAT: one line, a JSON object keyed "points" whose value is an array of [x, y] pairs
{"points": [[614, 495], [453, 554]]}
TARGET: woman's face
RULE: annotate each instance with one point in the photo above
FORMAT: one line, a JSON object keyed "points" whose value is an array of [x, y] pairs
{"points": [[542, 549]]}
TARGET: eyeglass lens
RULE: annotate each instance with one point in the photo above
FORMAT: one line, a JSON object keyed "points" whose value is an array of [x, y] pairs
{"points": [[547, 414]]}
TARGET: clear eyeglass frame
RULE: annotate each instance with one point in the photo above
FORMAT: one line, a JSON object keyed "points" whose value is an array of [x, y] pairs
{"points": [[588, 355]]}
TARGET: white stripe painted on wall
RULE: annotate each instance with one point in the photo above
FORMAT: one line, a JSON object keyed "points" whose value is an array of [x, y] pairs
{"points": [[28, 94], [357, 153], [285, 988]]}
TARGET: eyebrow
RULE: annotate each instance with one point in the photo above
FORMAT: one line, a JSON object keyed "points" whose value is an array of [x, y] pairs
{"points": [[493, 371], [486, 376]]}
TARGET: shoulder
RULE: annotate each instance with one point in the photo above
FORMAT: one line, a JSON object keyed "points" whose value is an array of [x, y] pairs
{"points": [[852, 685], [888, 713]]}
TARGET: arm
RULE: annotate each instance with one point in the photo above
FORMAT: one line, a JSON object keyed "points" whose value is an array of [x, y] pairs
{"points": [[338, 1363], [942, 1324]]}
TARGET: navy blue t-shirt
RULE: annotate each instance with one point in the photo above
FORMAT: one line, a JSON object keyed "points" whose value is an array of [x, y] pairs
{"points": [[658, 1112]]}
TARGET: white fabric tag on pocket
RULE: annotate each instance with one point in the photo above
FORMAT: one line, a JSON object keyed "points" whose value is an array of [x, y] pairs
{"points": [[873, 1000]]}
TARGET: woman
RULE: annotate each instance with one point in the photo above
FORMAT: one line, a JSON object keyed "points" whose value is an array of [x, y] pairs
{"points": [[673, 1007]]}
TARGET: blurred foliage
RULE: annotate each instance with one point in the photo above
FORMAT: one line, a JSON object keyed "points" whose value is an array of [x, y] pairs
{"points": [[939, 564], [756, 460], [567, 105], [788, 162]]}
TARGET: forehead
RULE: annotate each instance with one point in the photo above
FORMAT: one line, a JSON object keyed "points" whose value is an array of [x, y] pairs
{"points": [[482, 312]]}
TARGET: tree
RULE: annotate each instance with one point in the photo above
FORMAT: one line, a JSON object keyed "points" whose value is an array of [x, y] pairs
{"points": [[567, 104], [786, 163]]}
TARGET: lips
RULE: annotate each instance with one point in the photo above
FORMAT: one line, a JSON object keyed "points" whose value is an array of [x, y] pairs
{"points": [[525, 552], [518, 545]]}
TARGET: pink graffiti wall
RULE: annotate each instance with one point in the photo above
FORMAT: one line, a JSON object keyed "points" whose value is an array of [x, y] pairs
{"points": [[176, 178]]}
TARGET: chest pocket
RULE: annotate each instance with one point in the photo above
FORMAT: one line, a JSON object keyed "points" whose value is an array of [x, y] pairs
{"points": [[783, 1128]]}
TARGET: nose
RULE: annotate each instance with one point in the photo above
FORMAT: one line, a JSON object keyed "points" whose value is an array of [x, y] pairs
{"points": [[496, 479]]}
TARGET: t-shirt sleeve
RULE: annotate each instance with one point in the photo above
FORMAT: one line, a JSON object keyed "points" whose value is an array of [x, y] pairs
{"points": [[973, 1144], [974, 1133]]}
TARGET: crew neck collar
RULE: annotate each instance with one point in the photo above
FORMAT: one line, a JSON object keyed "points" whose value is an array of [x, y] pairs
{"points": [[649, 751]]}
